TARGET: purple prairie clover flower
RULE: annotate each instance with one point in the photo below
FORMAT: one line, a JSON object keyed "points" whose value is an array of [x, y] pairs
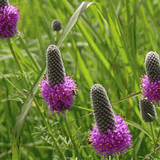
{"points": [[102, 107], [150, 90], [8, 22], [113, 141], [59, 97], [150, 83], [57, 89], [110, 134]]}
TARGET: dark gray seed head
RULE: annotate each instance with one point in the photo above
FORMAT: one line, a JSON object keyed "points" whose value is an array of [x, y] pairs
{"points": [[56, 25], [4, 3], [55, 68], [145, 108], [102, 109], [152, 66]]}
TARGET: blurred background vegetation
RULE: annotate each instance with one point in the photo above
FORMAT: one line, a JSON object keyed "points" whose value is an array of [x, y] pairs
{"points": [[107, 45]]}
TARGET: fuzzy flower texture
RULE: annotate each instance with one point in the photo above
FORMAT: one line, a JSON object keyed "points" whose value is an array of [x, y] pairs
{"points": [[59, 97], [114, 141], [150, 83], [8, 21], [57, 89], [114, 138]]}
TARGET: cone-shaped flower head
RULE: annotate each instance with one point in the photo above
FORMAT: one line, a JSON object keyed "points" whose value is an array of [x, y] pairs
{"points": [[57, 90], [55, 68], [56, 25], [102, 109], [152, 66], [145, 108], [151, 81], [113, 136], [8, 22], [4, 3]]}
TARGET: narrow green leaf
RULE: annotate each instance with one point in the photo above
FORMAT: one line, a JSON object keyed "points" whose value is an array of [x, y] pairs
{"points": [[84, 70], [100, 56], [73, 20], [33, 62], [139, 127]]}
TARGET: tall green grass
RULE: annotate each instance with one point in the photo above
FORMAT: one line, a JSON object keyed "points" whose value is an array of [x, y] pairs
{"points": [[101, 42]]}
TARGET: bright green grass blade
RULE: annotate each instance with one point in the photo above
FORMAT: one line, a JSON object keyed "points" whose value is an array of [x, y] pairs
{"points": [[83, 108], [23, 60], [36, 11], [138, 144], [139, 127], [73, 20], [84, 70], [99, 55], [27, 104], [9, 82], [119, 38], [98, 52], [33, 62]]}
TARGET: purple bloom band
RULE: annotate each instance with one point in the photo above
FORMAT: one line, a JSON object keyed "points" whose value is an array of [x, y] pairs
{"points": [[59, 97], [113, 141], [8, 21], [150, 90]]}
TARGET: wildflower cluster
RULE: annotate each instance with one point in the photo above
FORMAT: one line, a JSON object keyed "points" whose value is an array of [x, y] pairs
{"points": [[150, 83], [57, 89], [8, 20], [111, 138], [113, 141], [110, 133], [59, 97]]}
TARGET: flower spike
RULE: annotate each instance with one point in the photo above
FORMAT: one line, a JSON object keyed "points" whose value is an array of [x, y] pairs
{"points": [[102, 107], [150, 83], [56, 25], [152, 66], [4, 3], [145, 108], [57, 89], [55, 68], [8, 20], [110, 134]]}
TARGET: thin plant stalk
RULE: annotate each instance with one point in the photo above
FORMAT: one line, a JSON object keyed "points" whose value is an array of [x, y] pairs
{"points": [[154, 140], [128, 97], [12, 84], [16, 59], [72, 139], [156, 143], [50, 131], [116, 156], [30, 55]]}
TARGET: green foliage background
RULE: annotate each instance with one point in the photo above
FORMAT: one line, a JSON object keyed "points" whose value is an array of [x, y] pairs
{"points": [[107, 45]]}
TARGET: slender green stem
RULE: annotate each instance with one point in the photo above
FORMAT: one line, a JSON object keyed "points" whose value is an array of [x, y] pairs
{"points": [[11, 83], [154, 140], [72, 139], [16, 59], [116, 156], [56, 38], [156, 143], [30, 55], [50, 131], [128, 97]]}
